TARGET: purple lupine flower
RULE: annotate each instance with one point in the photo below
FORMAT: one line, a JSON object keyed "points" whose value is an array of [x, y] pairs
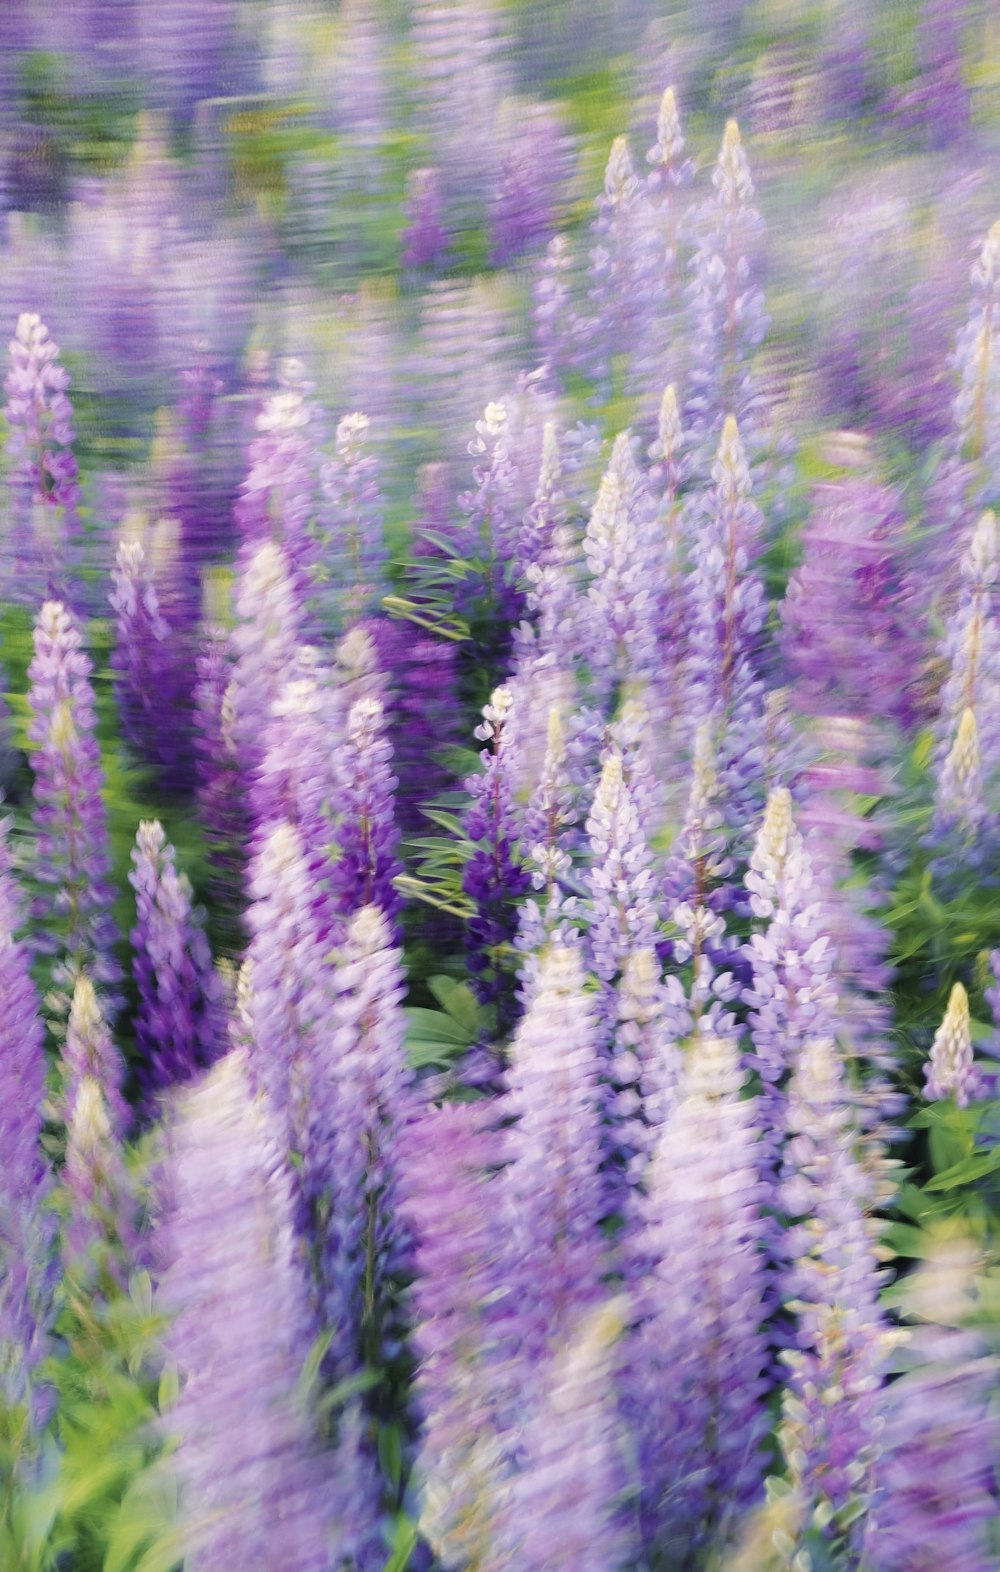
{"points": [[295, 780], [645, 1070], [730, 319], [549, 817], [559, 331], [254, 1488], [697, 889], [364, 834], [834, 1397], [447, 1156], [89, 1050], [959, 807], [101, 1237], [26, 1231], [669, 170], [43, 480], [660, 354], [531, 172], [791, 995], [968, 744], [552, 1189], [202, 483], [280, 497], [565, 1511], [701, 1421], [178, 1025], [847, 633], [490, 534], [950, 1071], [71, 862], [289, 1008], [152, 670], [266, 640], [365, 1245], [221, 786], [425, 238], [423, 703], [494, 876], [965, 483], [937, 1501], [728, 612], [351, 572], [615, 545], [548, 510], [461, 80], [615, 269], [620, 881]]}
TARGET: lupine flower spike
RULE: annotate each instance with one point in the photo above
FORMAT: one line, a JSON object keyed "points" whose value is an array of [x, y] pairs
{"points": [[71, 862], [43, 480], [950, 1071]]}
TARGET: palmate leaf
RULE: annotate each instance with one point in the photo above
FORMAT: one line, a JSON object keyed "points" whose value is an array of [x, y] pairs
{"points": [[142, 1536]]}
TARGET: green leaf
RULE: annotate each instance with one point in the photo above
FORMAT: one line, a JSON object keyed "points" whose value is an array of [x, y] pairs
{"points": [[967, 1171], [390, 1453], [403, 1545], [435, 1026], [457, 1000]]}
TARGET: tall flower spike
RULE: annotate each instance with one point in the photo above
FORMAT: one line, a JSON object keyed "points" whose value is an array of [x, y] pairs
{"points": [[698, 892], [425, 239], [698, 1414], [447, 1155], [289, 1012], [101, 1236], [950, 1071], [729, 318], [937, 1503], [549, 814], [152, 670], [566, 1501], [958, 799], [622, 910], [364, 1247], [646, 1069], [832, 1404], [89, 1050], [971, 649], [280, 497], [552, 1190], [26, 1231], [623, 644], [73, 907], [490, 533], [364, 832], [254, 1489], [615, 290], [266, 640], [791, 996], [178, 1025], [352, 566], [728, 612], [494, 876], [661, 352], [43, 478], [221, 788]]}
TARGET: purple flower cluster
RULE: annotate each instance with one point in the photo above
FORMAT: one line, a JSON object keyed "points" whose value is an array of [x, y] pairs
{"points": [[179, 1024], [43, 479], [71, 861]]}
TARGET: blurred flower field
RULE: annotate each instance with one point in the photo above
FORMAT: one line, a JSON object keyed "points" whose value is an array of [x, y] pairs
{"points": [[500, 753]]}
